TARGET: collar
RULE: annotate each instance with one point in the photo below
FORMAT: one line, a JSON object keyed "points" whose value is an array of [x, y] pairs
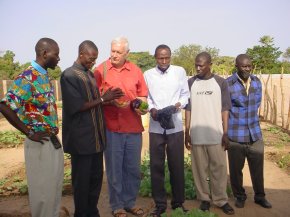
{"points": [[80, 67], [38, 67], [125, 66], [236, 77], [242, 81], [161, 72], [211, 76]]}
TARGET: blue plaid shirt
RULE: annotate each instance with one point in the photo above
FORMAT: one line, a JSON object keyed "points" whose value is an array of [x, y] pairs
{"points": [[244, 123]]}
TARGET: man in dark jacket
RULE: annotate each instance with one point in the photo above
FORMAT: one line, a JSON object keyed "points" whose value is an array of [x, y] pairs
{"points": [[84, 129]]}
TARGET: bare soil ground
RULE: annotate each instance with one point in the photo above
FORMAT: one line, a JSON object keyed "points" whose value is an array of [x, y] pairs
{"points": [[277, 186]]}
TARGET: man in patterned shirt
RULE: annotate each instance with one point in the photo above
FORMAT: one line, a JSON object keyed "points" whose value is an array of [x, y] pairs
{"points": [[245, 133], [29, 106]]}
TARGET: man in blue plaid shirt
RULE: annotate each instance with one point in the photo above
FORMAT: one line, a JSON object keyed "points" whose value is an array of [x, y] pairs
{"points": [[244, 132]]}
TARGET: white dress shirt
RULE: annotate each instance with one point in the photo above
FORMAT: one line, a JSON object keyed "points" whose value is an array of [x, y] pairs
{"points": [[167, 89]]}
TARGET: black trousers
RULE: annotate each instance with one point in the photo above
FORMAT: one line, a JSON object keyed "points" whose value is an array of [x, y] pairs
{"points": [[87, 176], [254, 153], [173, 145]]}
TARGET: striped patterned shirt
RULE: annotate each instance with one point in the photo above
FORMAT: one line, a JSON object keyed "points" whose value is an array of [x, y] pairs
{"points": [[244, 125]]}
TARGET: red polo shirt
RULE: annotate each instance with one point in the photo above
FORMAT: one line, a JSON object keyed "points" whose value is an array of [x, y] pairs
{"points": [[130, 79]]}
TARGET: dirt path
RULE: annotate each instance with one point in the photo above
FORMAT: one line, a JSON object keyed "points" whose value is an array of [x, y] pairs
{"points": [[277, 185], [10, 159]]}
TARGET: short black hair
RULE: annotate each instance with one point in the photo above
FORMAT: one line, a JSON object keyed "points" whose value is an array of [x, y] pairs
{"points": [[241, 57], [162, 46], [205, 55], [87, 44], [44, 44]]}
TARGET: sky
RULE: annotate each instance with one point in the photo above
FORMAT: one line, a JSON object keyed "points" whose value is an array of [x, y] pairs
{"points": [[231, 26]]}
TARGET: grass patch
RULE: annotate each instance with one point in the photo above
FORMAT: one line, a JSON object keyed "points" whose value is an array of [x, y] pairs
{"points": [[11, 139], [192, 213]]}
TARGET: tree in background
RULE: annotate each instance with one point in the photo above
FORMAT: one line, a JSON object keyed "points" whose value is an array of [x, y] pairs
{"points": [[7, 66], [286, 62], [224, 65], [143, 60], [185, 56], [286, 54], [265, 56]]}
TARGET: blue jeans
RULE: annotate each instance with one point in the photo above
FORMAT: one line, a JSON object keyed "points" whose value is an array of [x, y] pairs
{"points": [[123, 157]]}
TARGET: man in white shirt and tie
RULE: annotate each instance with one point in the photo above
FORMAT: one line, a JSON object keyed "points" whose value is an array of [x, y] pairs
{"points": [[167, 86]]}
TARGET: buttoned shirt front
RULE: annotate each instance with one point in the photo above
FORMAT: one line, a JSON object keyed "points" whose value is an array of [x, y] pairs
{"points": [[244, 125], [167, 89], [31, 96], [130, 79]]}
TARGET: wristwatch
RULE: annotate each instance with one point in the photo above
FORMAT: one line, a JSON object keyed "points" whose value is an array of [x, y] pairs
{"points": [[30, 133]]}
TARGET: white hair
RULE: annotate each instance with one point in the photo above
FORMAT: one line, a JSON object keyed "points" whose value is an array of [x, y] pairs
{"points": [[121, 40]]}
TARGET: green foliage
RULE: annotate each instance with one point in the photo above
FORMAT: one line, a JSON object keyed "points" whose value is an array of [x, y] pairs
{"points": [[284, 161], [286, 54], [54, 73], [145, 188], [8, 68], [185, 56], [143, 60], [265, 56], [286, 66], [224, 65], [13, 185], [284, 137], [192, 213], [11, 139]]}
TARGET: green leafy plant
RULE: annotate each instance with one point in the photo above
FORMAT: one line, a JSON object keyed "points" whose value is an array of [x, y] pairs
{"points": [[145, 188], [284, 161], [192, 213], [11, 139]]}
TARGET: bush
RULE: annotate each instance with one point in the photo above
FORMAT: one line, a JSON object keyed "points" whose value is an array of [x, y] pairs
{"points": [[145, 188]]}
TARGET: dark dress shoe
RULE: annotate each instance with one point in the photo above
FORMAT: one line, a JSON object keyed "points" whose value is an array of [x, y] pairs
{"points": [[227, 209], [240, 203], [264, 203], [204, 206], [157, 212], [178, 205]]}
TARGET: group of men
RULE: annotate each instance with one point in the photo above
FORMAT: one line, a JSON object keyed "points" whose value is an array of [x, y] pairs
{"points": [[97, 118]]}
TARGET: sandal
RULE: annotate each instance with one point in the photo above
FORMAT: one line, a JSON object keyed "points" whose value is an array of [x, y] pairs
{"points": [[136, 211], [119, 213]]}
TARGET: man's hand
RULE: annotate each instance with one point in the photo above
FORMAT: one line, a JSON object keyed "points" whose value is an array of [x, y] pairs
{"points": [[225, 141], [39, 137], [112, 94], [187, 141], [177, 106], [140, 112], [153, 113]]}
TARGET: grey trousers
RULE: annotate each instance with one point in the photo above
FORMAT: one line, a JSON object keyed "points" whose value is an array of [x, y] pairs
{"points": [[44, 170], [210, 161], [254, 153]]}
